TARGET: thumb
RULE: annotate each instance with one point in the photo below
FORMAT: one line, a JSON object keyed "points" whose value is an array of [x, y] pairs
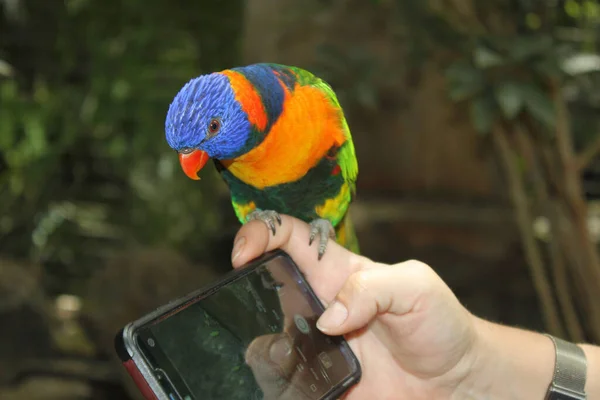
{"points": [[377, 290]]}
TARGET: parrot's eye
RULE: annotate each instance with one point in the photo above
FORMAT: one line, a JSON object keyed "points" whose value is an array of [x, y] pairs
{"points": [[186, 150], [214, 126]]}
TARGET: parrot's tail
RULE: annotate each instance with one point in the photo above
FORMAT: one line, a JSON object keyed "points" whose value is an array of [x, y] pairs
{"points": [[346, 235]]}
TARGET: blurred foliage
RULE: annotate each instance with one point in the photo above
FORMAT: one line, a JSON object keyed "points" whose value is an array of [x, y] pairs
{"points": [[84, 89], [497, 56], [505, 77], [505, 74]]}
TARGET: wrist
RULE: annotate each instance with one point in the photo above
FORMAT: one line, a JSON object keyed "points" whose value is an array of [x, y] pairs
{"points": [[478, 382], [507, 363], [592, 385]]}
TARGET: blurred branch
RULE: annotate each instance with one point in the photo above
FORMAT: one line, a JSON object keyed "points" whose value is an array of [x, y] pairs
{"points": [[559, 268], [561, 278], [588, 154], [586, 268], [572, 182], [525, 224]]}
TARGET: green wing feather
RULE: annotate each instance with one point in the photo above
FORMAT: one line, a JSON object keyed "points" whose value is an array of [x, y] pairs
{"points": [[346, 235]]}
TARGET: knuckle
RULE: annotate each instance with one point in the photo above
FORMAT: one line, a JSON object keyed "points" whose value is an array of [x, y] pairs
{"points": [[368, 288], [419, 268], [422, 274], [358, 281], [416, 264]]}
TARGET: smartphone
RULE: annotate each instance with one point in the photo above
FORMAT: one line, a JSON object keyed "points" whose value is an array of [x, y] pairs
{"points": [[252, 335]]}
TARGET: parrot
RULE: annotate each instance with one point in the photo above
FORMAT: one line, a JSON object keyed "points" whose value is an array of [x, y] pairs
{"points": [[278, 137]]}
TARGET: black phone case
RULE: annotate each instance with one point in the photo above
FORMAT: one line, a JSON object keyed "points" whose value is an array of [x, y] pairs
{"points": [[143, 377]]}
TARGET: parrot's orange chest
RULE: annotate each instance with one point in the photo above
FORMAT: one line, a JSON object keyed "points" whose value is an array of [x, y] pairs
{"points": [[302, 135]]}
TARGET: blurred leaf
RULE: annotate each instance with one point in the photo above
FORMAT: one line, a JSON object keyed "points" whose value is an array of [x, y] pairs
{"points": [[526, 47], [460, 92], [484, 58], [8, 91], [6, 131], [14, 9], [482, 114], [74, 6], [539, 104], [582, 63], [464, 81], [548, 67], [510, 99], [36, 135], [461, 71], [591, 10], [117, 147], [5, 69], [88, 108], [120, 89], [17, 183], [533, 21], [572, 8], [41, 93], [7, 128]]}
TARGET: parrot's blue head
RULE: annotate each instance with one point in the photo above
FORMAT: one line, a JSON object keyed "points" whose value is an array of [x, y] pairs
{"points": [[206, 121]]}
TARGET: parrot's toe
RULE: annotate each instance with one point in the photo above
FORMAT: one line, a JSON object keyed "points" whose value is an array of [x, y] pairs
{"points": [[325, 230], [269, 217]]}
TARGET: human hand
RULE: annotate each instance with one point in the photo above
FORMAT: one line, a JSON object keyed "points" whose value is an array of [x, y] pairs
{"points": [[413, 338]]}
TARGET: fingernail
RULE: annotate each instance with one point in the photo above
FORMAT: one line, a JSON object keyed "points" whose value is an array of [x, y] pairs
{"points": [[238, 246], [334, 316]]}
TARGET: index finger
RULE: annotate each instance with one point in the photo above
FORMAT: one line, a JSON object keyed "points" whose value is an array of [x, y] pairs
{"points": [[326, 276]]}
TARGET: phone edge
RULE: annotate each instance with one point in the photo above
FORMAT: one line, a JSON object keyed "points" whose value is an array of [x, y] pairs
{"points": [[133, 369]]}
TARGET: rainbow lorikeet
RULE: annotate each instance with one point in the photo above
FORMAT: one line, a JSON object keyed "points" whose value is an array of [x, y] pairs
{"points": [[278, 137]]}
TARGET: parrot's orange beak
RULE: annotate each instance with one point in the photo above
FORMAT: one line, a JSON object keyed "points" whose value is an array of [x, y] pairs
{"points": [[192, 163]]}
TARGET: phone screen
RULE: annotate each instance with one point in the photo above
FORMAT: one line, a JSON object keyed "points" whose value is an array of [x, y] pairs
{"points": [[254, 337]]}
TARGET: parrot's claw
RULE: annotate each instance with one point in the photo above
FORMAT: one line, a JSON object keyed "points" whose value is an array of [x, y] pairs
{"points": [[269, 217], [325, 230]]}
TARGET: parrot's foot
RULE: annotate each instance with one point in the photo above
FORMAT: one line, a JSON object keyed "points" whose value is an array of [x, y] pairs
{"points": [[269, 217], [325, 230]]}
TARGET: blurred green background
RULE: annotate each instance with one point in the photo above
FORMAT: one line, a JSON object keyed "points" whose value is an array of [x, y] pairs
{"points": [[475, 122]]}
